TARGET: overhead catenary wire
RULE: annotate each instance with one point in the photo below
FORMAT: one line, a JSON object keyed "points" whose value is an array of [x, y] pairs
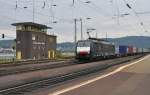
{"points": [[52, 11], [60, 19], [44, 4], [49, 4], [43, 7], [117, 8], [147, 12], [118, 12], [119, 15], [136, 14], [16, 5], [97, 9], [33, 10], [94, 7], [73, 2]]}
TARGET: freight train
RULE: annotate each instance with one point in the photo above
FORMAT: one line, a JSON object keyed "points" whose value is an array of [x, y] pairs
{"points": [[94, 48]]}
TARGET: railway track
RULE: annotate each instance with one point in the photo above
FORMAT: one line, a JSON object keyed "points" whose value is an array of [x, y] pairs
{"points": [[15, 69], [27, 62], [10, 71], [51, 81]]}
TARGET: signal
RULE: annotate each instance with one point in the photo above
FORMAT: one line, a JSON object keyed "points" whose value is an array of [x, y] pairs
{"points": [[3, 36]]}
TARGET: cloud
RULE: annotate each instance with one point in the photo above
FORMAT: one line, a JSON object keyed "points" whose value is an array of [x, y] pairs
{"points": [[101, 12]]}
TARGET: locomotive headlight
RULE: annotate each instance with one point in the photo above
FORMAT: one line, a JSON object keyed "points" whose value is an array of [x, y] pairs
{"points": [[83, 49]]}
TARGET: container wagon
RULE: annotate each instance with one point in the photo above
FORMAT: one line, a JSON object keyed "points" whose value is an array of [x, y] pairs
{"points": [[123, 50], [130, 50]]}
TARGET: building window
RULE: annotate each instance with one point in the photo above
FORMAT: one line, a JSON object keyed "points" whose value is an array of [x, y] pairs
{"points": [[29, 28], [37, 38], [33, 29], [33, 37], [26, 28], [34, 57], [19, 27], [23, 27], [51, 40], [34, 47], [18, 42], [43, 30]]}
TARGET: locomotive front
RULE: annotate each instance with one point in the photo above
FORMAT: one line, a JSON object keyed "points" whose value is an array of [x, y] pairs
{"points": [[83, 49]]}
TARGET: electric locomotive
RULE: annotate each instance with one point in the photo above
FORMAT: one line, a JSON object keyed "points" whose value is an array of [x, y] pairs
{"points": [[93, 48]]}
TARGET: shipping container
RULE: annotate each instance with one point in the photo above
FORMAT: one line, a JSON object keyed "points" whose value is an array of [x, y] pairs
{"points": [[123, 50], [135, 50], [116, 50], [140, 50], [130, 50], [145, 50]]}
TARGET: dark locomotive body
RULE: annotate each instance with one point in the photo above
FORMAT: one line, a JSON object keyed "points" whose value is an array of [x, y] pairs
{"points": [[94, 49]]}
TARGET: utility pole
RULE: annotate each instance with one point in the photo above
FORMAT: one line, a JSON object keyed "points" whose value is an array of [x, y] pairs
{"points": [[73, 2], [75, 30], [106, 36], [81, 29], [96, 34], [33, 10], [81, 26]]}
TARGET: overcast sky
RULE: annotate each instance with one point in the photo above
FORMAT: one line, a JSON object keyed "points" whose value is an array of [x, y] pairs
{"points": [[104, 16]]}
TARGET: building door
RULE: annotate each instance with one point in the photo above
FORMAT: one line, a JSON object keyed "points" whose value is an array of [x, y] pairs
{"points": [[51, 54], [18, 55]]}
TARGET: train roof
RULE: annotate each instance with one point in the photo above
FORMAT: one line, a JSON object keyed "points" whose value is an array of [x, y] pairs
{"points": [[96, 40]]}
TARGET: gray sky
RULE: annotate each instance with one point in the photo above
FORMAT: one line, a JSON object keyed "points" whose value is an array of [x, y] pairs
{"points": [[103, 13]]}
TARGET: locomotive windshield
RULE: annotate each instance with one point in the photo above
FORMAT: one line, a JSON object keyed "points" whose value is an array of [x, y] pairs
{"points": [[83, 44]]}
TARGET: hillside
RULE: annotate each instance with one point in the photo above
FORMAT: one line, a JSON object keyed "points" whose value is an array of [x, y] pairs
{"points": [[6, 43], [67, 46], [138, 41]]}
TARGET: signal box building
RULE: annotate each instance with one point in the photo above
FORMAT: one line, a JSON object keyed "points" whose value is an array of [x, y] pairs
{"points": [[33, 42]]}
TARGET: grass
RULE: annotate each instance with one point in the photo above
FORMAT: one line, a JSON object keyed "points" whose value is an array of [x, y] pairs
{"points": [[5, 61], [59, 57]]}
